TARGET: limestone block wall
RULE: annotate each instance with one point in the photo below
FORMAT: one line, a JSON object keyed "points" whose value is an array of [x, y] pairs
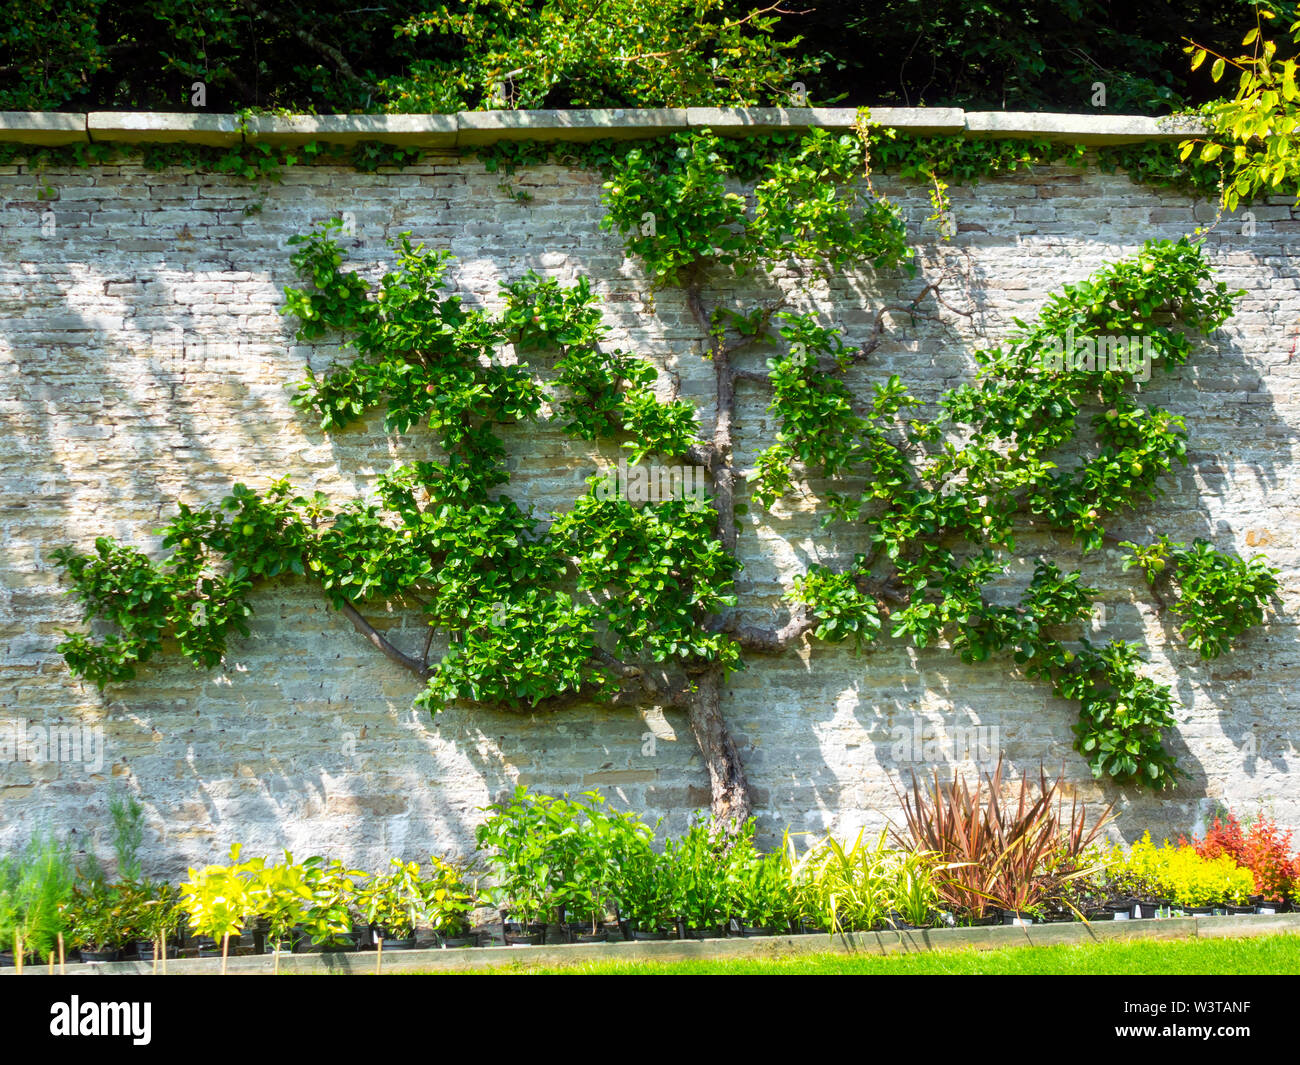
{"points": [[143, 359]]}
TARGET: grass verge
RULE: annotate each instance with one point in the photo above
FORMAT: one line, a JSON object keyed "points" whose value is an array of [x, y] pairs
{"points": [[1265, 955]]}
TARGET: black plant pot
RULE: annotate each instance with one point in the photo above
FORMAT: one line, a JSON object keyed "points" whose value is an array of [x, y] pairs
{"points": [[712, 932], [392, 941], [516, 935], [1199, 911], [208, 947], [807, 929], [145, 949], [261, 929], [1267, 908], [1238, 911], [458, 942], [99, 955], [578, 932], [652, 936], [1152, 907], [749, 931], [986, 921], [1013, 917]]}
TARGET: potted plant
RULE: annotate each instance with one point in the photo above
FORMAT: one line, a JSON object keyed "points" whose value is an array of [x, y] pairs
{"points": [[282, 895], [36, 883], [645, 893], [845, 887], [699, 879], [519, 836], [599, 852], [216, 900], [152, 917], [808, 902], [393, 905], [328, 921], [449, 900], [915, 894], [759, 898], [95, 918]]}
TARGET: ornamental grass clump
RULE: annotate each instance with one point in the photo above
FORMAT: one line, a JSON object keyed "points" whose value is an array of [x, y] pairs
{"points": [[992, 854], [857, 886]]}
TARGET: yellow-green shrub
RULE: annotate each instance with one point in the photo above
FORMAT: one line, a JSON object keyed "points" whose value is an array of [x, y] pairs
{"points": [[1185, 877]]}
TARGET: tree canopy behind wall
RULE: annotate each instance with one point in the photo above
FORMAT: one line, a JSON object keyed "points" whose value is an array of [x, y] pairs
{"points": [[412, 55]]}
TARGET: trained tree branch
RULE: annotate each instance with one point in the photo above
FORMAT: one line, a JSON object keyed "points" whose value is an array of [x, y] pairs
{"points": [[391, 652]]}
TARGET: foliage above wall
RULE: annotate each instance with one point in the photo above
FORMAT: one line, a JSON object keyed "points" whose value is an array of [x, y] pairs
{"points": [[409, 55]]}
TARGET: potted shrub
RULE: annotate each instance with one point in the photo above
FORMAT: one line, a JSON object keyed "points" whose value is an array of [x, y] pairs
{"points": [[995, 852], [846, 887], [282, 895], [759, 896], [393, 905], [36, 885], [645, 893], [328, 921], [518, 836], [603, 845], [449, 902], [95, 918], [808, 904], [1260, 846], [216, 901], [9, 931], [153, 918], [699, 879]]}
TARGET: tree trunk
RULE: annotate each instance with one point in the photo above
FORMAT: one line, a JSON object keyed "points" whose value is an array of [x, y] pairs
{"points": [[730, 804]]}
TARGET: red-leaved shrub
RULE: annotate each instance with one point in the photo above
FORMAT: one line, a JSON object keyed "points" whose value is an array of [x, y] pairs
{"points": [[1261, 847]]}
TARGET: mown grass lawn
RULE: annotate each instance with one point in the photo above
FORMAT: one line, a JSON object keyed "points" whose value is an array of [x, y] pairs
{"points": [[1266, 955]]}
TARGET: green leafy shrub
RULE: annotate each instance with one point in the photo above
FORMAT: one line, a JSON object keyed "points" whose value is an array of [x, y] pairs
{"points": [[450, 897]]}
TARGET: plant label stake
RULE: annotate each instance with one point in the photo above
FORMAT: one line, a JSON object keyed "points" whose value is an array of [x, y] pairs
{"points": [[62, 968], [379, 956]]}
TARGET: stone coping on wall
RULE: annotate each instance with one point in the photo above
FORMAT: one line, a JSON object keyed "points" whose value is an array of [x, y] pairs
{"points": [[471, 128], [771, 947]]}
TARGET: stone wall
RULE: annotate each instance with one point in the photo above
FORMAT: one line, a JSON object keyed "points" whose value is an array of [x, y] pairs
{"points": [[143, 359]]}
